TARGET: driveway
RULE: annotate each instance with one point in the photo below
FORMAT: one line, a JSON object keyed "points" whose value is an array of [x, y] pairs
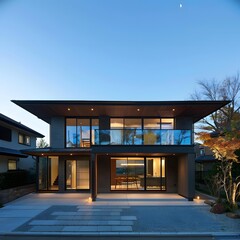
{"points": [[112, 215]]}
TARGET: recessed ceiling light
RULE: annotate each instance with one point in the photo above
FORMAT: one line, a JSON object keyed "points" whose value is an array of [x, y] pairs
{"points": [[92, 109], [69, 109], [173, 109]]}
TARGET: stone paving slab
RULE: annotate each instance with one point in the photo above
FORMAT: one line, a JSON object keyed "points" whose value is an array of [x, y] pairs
{"points": [[89, 217], [84, 213], [46, 229], [77, 223]]}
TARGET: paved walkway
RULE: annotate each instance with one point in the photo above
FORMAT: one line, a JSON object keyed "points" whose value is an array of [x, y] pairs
{"points": [[113, 214]]}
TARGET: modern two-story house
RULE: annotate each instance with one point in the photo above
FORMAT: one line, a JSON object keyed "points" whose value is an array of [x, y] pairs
{"points": [[15, 137], [119, 146]]}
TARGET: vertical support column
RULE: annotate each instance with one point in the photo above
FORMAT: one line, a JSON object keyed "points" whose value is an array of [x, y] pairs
{"points": [[93, 177], [191, 178], [37, 174], [186, 176], [61, 174]]}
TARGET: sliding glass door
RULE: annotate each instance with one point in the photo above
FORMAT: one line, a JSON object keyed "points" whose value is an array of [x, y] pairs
{"points": [[155, 173], [138, 173], [127, 173], [77, 174]]}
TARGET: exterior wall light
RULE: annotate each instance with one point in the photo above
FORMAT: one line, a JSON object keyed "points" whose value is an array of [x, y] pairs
{"points": [[90, 199]]}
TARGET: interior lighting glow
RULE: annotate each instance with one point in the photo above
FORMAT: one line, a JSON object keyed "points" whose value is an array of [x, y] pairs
{"points": [[132, 164]]}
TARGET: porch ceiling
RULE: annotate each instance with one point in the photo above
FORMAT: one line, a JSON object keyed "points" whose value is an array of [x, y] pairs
{"points": [[45, 110]]}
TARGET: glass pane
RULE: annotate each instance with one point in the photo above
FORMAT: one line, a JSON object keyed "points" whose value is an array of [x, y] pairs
{"points": [[53, 173], [133, 123], [116, 123], [28, 140], [83, 132], [95, 126], [152, 123], [152, 137], [182, 137], [71, 134], [135, 170], [127, 174], [167, 123], [132, 137], [42, 173], [116, 137], [167, 137], [21, 138], [155, 173], [83, 174], [12, 165], [163, 177], [71, 174]]}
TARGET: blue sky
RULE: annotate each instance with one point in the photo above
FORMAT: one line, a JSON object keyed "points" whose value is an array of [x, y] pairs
{"points": [[113, 50]]}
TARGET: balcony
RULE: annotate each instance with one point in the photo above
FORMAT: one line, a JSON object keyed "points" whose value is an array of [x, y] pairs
{"points": [[143, 137]]}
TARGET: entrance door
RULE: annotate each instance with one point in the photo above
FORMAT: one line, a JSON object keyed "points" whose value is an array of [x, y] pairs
{"points": [[77, 174], [155, 173]]}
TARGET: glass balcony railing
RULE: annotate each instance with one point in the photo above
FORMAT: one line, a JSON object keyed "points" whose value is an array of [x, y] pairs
{"points": [[143, 137]]}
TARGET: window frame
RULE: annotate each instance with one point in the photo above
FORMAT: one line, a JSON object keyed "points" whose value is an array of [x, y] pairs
{"points": [[24, 139]]}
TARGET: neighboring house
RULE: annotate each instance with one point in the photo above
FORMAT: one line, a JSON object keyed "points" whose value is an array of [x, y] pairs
{"points": [[205, 161], [119, 146], [15, 137]]}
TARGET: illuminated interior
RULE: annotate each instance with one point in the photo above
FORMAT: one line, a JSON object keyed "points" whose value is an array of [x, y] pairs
{"points": [[138, 173]]}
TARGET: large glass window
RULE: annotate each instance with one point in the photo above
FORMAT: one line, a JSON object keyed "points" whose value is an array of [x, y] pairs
{"points": [[127, 173], [83, 132], [71, 132], [77, 174], [48, 173], [94, 127], [80, 131], [151, 131], [138, 173]]}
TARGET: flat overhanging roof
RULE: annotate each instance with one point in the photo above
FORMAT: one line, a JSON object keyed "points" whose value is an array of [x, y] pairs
{"points": [[45, 110]]}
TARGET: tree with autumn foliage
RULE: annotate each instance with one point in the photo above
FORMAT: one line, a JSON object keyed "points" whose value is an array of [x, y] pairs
{"points": [[221, 132], [224, 149]]}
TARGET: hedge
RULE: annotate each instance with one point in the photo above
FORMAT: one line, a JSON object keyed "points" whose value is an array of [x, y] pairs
{"points": [[15, 178]]}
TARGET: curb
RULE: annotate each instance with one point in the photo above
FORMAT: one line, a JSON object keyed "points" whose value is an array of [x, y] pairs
{"points": [[126, 234]]}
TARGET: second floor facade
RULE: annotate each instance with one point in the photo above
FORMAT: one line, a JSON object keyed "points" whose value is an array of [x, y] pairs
{"points": [[87, 124], [14, 135]]}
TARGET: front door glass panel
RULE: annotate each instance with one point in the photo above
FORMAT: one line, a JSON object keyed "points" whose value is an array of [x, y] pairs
{"points": [[77, 174]]}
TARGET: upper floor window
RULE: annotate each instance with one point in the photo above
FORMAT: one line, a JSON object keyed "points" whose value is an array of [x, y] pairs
{"points": [[24, 139], [80, 131], [5, 134], [126, 123]]}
